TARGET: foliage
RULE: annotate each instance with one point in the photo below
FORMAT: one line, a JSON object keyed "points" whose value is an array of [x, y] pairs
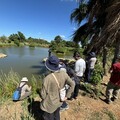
{"points": [[58, 39], [97, 74], [17, 42], [110, 114], [20, 40], [21, 36], [32, 45], [101, 26], [8, 84], [91, 90], [59, 45]]}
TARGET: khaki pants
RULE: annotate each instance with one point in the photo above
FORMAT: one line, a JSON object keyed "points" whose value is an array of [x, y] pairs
{"points": [[112, 91]]}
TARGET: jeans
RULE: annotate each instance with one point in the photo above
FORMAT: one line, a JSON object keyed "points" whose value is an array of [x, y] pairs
{"points": [[76, 89], [88, 74]]}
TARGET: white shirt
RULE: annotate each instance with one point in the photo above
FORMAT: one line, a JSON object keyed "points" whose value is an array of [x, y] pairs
{"points": [[25, 88], [80, 67], [91, 62]]}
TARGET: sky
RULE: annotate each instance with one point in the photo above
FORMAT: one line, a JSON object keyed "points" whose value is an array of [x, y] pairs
{"points": [[43, 19]]}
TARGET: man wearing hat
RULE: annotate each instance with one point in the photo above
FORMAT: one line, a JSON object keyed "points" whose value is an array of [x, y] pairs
{"points": [[90, 64], [25, 89], [113, 87], [50, 92]]}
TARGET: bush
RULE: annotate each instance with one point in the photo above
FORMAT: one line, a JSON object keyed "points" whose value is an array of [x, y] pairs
{"points": [[97, 75]]}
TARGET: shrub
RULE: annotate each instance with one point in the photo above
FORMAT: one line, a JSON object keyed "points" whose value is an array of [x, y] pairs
{"points": [[8, 84], [97, 75]]}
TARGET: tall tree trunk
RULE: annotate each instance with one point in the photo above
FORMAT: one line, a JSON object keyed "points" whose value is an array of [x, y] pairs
{"points": [[104, 59]]}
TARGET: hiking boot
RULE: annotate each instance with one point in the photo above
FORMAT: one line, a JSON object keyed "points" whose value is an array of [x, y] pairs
{"points": [[108, 101], [113, 99]]}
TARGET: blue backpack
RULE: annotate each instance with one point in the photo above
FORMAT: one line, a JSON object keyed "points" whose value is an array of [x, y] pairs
{"points": [[17, 93]]}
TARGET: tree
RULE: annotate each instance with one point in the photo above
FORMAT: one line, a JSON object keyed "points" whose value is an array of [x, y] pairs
{"points": [[21, 36], [3, 38], [58, 39], [14, 37], [102, 24]]}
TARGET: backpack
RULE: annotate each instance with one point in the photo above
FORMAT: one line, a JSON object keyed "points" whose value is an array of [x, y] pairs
{"points": [[17, 93]]}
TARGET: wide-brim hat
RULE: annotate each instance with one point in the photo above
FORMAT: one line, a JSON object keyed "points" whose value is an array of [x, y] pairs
{"points": [[24, 79], [92, 54], [52, 63]]}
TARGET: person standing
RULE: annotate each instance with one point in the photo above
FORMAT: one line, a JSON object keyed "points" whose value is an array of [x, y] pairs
{"points": [[113, 86], [80, 67], [50, 94], [90, 64]]}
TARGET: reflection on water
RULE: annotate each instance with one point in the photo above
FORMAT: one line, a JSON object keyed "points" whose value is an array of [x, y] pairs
{"points": [[26, 61]]}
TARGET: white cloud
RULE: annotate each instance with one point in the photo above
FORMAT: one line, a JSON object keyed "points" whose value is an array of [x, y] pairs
{"points": [[62, 36]]}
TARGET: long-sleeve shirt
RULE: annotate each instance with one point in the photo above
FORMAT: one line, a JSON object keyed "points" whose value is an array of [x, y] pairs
{"points": [[115, 75], [80, 67], [50, 91], [25, 88]]}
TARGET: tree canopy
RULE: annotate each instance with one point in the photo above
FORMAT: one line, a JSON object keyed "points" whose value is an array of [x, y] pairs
{"points": [[102, 25]]}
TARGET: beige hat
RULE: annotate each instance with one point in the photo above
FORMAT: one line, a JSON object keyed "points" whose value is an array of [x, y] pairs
{"points": [[24, 79]]}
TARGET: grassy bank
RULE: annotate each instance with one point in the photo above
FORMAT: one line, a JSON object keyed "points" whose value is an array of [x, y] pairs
{"points": [[9, 82]]}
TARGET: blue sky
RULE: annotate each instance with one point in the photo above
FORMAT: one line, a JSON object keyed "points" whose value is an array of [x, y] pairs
{"points": [[37, 18]]}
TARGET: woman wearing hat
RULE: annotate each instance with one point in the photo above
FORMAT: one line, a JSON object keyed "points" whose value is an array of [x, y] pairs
{"points": [[25, 90], [50, 93]]}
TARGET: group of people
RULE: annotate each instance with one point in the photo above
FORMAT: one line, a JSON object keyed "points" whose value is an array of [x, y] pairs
{"points": [[61, 76], [66, 77]]}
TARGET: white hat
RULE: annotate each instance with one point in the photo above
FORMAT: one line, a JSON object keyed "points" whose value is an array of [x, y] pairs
{"points": [[24, 79]]}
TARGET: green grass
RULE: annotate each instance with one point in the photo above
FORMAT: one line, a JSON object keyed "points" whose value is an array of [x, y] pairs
{"points": [[9, 82]]}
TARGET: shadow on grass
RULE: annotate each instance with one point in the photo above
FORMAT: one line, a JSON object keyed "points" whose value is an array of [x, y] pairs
{"points": [[34, 109]]}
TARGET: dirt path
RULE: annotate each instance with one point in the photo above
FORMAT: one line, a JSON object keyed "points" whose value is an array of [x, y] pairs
{"points": [[84, 108]]}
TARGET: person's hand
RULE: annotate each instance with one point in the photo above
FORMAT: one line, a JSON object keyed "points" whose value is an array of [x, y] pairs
{"points": [[30, 87], [64, 99]]}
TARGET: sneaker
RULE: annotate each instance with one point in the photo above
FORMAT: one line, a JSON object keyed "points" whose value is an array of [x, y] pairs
{"points": [[64, 108]]}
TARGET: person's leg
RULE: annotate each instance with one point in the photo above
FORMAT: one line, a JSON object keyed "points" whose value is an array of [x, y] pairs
{"points": [[109, 92], [48, 116], [90, 74], [86, 75], [76, 90], [116, 92], [57, 114]]}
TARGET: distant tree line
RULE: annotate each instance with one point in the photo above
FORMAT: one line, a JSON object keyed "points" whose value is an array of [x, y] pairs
{"points": [[59, 45], [19, 38]]}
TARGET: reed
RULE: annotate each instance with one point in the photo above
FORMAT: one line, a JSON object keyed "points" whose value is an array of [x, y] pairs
{"points": [[9, 82]]}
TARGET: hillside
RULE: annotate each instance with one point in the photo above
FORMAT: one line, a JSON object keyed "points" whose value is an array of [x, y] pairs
{"points": [[86, 107]]}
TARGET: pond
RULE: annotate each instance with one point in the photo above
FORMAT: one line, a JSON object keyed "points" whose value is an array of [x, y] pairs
{"points": [[26, 61]]}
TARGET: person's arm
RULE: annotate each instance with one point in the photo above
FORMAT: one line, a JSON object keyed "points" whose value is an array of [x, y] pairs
{"points": [[43, 92], [76, 67], [111, 69], [71, 84], [28, 88]]}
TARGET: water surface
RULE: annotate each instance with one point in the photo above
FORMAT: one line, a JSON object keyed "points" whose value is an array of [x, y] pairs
{"points": [[26, 61]]}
